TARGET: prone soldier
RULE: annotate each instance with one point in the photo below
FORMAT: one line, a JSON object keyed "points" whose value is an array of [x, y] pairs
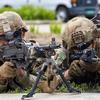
{"points": [[77, 53], [77, 39], [12, 22], [81, 32]]}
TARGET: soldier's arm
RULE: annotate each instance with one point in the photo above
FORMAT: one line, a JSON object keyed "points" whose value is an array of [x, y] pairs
{"points": [[60, 57]]}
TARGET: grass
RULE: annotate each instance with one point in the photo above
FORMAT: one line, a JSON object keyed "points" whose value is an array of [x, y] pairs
{"points": [[34, 29], [62, 89], [55, 28], [82, 87]]}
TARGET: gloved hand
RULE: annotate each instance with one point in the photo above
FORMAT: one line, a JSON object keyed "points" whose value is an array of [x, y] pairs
{"points": [[50, 87], [7, 70], [43, 86]]}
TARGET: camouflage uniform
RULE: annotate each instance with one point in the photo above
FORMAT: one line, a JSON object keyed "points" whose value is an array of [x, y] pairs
{"points": [[10, 22], [13, 22], [77, 31], [81, 28], [73, 36], [96, 34], [6, 74]]}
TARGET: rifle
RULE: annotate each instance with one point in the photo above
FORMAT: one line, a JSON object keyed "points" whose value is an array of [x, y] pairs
{"points": [[19, 54], [23, 53], [47, 52], [80, 50], [89, 56]]}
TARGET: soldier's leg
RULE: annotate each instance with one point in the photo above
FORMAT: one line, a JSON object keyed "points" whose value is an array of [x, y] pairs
{"points": [[24, 79]]}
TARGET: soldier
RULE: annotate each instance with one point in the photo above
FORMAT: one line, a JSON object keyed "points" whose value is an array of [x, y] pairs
{"points": [[79, 36], [11, 22], [77, 39]]}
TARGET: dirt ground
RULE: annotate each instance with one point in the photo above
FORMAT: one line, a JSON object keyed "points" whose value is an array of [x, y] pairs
{"points": [[42, 38]]}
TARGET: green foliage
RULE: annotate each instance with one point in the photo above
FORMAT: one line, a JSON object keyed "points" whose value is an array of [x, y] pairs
{"points": [[28, 12], [62, 89], [6, 9], [45, 14], [33, 29], [87, 87], [82, 87], [55, 28]]}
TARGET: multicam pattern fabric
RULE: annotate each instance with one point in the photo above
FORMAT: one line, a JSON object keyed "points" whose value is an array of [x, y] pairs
{"points": [[4, 25], [15, 20], [9, 72], [10, 22], [79, 68], [6, 73], [61, 55], [75, 25]]}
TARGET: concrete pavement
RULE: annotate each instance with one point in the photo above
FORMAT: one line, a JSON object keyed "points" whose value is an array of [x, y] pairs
{"points": [[55, 96], [45, 28]]}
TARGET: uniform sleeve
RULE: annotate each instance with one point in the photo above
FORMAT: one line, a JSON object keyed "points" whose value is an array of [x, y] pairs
{"points": [[61, 56]]}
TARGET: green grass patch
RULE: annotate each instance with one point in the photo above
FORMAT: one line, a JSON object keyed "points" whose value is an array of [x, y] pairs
{"points": [[55, 28], [28, 12]]}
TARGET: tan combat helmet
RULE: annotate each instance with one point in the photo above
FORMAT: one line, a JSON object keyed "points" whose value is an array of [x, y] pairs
{"points": [[4, 25], [4, 28], [15, 21], [77, 30]]}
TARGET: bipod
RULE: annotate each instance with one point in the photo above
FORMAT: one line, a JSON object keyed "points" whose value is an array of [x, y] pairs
{"points": [[41, 72], [47, 63]]}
